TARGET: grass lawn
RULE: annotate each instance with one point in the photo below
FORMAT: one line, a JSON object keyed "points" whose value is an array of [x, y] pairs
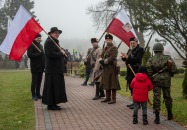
{"points": [[16, 106], [179, 103]]}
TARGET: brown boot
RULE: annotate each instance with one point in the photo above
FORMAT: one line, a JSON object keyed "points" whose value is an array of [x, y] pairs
{"points": [[108, 94], [113, 97]]}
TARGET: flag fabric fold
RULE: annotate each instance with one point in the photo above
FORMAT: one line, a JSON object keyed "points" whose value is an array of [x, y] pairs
{"points": [[20, 34], [121, 27]]}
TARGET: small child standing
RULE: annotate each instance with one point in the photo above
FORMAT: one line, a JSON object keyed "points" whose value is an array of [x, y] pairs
{"points": [[141, 85]]}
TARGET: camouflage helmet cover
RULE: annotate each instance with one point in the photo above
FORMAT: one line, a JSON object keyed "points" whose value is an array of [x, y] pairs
{"points": [[158, 47]]}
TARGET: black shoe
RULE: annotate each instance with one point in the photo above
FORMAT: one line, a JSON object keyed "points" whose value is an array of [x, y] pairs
{"points": [[157, 117], [52, 107], [101, 96], [130, 105], [135, 119], [57, 106], [145, 122], [83, 84], [96, 98], [39, 97], [170, 115], [34, 98]]}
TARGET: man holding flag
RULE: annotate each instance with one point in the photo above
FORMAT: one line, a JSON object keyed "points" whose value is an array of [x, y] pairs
{"points": [[122, 28]]}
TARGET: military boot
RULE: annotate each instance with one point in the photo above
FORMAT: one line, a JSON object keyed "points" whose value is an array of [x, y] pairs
{"points": [[96, 92], [102, 93], [135, 119], [113, 97], [108, 94], [170, 114], [157, 117], [145, 122], [84, 84]]}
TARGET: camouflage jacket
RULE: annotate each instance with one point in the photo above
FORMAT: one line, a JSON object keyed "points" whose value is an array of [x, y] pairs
{"points": [[157, 63]]}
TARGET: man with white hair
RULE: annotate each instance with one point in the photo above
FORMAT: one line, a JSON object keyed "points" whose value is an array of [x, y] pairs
{"points": [[133, 58]]}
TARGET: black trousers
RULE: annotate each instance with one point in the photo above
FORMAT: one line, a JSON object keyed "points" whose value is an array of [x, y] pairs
{"points": [[36, 83]]}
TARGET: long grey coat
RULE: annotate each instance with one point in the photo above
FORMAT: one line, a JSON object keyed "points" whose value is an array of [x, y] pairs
{"points": [[97, 67]]}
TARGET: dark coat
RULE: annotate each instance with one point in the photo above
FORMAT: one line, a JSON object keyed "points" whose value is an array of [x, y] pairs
{"points": [[37, 59], [134, 59], [54, 87], [109, 77], [53, 57]]}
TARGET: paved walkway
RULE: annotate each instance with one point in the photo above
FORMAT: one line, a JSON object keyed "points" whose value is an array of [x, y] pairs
{"points": [[83, 113]]}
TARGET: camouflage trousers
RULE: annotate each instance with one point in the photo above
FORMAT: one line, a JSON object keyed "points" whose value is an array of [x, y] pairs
{"points": [[157, 97]]}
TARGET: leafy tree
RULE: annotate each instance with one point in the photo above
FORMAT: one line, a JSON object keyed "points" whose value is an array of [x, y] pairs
{"points": [[164, 17], [146, 56], [103, 13], [9, 10]]}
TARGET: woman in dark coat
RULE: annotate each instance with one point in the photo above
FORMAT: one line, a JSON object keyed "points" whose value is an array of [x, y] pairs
{"points": [[54, 87]]}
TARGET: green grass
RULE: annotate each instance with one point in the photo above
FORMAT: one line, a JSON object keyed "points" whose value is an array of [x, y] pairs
{"points": [[179, 102], [16, 106]]}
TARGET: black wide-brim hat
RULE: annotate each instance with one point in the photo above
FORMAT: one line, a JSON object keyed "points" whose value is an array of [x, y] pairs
{"points": [[54, 29]]}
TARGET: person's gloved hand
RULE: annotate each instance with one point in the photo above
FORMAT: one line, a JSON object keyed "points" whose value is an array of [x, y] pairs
{"points": [[102, 62]]}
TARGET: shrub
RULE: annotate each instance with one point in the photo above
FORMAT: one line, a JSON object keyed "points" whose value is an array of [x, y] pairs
{"points": [[180, 70], [82, 70], [123, 73]]}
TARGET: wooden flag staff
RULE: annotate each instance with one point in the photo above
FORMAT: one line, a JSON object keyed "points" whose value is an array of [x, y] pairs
{"points": [[56, 44]]}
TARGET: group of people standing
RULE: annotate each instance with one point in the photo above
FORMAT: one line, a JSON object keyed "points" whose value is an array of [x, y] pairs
{"points": [[52, 62], [155, 75]]}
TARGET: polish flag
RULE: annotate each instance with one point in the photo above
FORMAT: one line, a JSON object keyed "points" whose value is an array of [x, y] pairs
{"points": [[21, 33], [121, 27]]}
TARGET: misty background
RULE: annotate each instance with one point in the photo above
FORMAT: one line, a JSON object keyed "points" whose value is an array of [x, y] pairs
{"points": [[77, 26]]}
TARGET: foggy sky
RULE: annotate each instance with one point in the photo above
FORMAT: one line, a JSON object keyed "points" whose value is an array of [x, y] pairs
{"points": [[69, 16]]}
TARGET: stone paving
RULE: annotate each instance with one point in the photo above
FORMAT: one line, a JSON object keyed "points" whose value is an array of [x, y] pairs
{"points": [[83, 113]]}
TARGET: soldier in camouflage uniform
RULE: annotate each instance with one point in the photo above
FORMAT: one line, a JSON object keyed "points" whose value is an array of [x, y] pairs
{"points": [[160, 70]]}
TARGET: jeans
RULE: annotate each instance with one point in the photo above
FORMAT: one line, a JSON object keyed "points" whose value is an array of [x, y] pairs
{"points": [[137, 106]]}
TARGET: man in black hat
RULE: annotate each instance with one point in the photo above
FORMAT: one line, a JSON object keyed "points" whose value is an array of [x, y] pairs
{"points": [[133, 58], [109, 77], [54, 87], [37, 64]]}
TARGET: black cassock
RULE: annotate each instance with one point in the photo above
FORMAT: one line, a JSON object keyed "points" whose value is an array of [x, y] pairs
{"points": [[54, 87]]}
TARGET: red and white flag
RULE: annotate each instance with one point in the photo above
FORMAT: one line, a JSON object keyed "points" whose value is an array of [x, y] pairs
{"points": [[121, 27], [21, 33]]}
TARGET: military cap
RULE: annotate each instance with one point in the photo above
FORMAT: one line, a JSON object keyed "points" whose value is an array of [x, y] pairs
{"points": [[93, 40], [38, 35], [108, 36]]}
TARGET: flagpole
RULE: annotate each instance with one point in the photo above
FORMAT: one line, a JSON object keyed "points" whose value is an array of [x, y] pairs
{"points": [[119, 45], [36, 47], [56, 44]]}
